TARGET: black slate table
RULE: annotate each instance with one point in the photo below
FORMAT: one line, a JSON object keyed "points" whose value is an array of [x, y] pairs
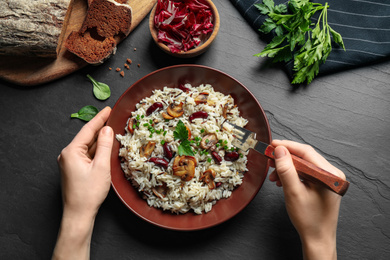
{"points": [[345, 116]]}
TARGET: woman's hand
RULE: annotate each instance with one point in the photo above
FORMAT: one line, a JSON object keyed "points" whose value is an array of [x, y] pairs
{"points": [[85, 177], [85, 166], [313, 209]]}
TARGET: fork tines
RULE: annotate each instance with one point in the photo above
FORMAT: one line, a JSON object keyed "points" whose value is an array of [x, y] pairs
{"points": [[244, 139], [241, 134]]}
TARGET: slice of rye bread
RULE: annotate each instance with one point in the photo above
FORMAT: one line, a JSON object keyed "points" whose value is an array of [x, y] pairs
{"points": [[107, 22], [109, 17], [89, 48]]}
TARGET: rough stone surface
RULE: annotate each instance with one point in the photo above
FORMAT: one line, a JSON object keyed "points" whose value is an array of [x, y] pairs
{"points": [[345, 116]]}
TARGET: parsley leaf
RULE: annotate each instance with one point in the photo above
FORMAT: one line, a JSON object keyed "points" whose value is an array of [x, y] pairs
{"points": [[181, 133], [185, 148], [297, 37]]}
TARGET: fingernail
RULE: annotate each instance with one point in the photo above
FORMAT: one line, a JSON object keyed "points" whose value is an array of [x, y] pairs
{"points": [[107, 130], [275, 142], [279, 152]]}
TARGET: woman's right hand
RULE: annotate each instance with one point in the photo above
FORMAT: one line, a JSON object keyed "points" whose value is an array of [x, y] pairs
{"points": [[313, 209]]}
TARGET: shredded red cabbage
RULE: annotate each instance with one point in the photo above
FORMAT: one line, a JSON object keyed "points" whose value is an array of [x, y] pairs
{"points": [[183, 25]]}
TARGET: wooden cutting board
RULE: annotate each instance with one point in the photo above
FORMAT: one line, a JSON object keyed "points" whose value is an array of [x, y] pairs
{"points": [[31, 71]]}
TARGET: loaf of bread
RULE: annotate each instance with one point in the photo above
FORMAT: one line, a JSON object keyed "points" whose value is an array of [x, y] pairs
{"points": [[105, 21], [31, 28]]}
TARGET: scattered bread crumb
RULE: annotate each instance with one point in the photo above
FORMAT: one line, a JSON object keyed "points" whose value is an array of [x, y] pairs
{"points": [[135, 49], [139, 65], [126, 65]]}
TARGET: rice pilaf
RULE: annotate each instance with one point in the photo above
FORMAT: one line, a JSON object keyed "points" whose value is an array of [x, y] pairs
{"points": [[154, 162]]}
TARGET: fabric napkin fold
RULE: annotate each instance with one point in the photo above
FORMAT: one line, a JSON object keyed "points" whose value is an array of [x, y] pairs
{"points": [[363, 24]]}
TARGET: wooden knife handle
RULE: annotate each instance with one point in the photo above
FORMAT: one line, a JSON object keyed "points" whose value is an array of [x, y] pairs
{"points": [[313, 173]]}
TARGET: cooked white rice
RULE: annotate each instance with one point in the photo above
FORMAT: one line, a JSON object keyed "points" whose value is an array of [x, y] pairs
{"points": [[182, 196]]}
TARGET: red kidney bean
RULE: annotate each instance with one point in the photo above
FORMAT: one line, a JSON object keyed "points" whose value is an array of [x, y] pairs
{"points": [[168, 151], [182, 87], [217, 158], [159, 162], [199, 114], [154, 107], [217, 184], [231, 156]]}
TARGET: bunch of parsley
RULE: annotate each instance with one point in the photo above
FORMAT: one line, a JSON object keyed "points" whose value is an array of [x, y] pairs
{"points": [[297, 37]]}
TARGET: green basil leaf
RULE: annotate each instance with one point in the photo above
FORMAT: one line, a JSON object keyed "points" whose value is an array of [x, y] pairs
{"points": [[100, 90], [86, 113]]}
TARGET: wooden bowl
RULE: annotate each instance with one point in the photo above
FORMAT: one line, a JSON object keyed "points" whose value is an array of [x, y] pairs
{"points": [[195, 51]]}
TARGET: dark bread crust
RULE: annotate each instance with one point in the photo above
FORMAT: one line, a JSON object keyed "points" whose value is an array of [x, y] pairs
{"points": [[118, 1]]}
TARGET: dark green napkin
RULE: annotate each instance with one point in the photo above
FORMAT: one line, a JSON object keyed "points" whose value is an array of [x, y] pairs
{"points": [[363, 24]]}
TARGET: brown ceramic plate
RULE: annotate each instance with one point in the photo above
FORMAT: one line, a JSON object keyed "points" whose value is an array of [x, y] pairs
{"points": [[257, 164]]}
